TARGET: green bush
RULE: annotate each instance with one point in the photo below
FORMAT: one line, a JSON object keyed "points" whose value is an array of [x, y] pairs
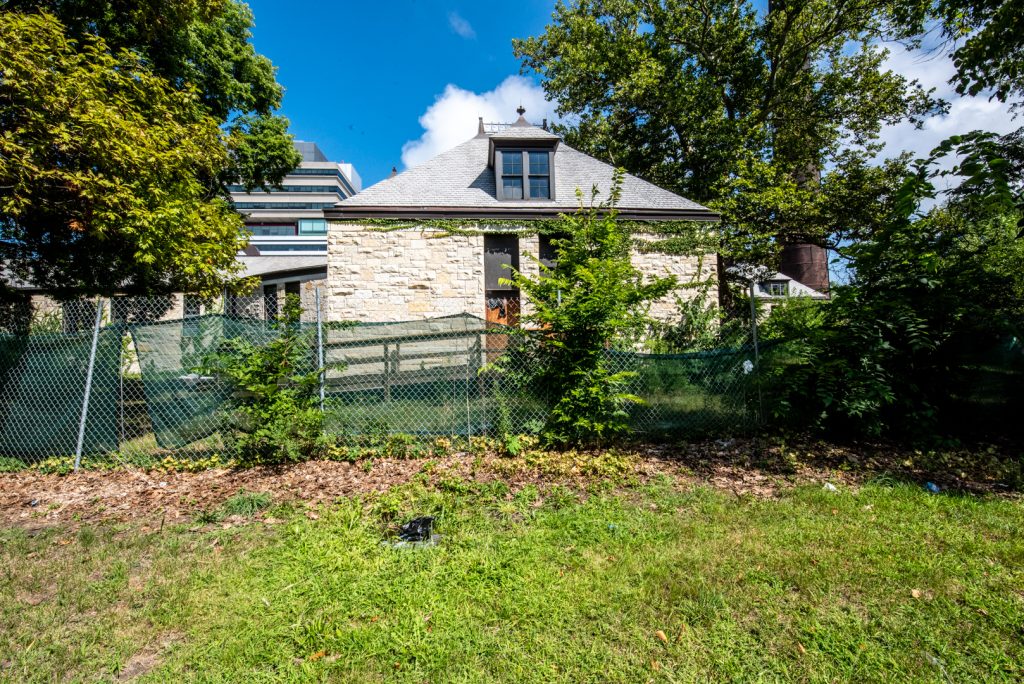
{"points": [[274, 414], [923, 341], [592, 298]]}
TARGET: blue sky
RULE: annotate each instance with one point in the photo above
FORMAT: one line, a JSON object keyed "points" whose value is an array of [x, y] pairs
{"points": [[359, 75], [392, 83]]}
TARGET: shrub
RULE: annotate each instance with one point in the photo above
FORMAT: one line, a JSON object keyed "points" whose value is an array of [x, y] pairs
{"points": [[274, 414], [590, 299]]}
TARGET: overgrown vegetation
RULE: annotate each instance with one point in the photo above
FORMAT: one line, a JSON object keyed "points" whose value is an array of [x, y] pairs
{"points": [[591, 299], [925, 340], [273, 415], [124, 124]]}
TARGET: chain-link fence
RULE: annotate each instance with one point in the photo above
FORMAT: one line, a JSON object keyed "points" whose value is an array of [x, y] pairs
{"points": [[125, 380]]}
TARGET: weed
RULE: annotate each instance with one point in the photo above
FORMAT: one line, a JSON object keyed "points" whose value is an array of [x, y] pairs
{"points": [[209, 517], [10, 465], [246, 503]]}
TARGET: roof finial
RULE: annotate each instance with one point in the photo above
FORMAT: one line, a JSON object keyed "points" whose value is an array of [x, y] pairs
{"points": [[521, 110]]}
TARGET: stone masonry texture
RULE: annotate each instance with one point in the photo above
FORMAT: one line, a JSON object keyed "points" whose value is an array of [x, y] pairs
{"points": [[413, 273]]}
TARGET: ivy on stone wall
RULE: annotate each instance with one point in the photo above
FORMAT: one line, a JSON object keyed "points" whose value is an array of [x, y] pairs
{"points": [[676, 238]]}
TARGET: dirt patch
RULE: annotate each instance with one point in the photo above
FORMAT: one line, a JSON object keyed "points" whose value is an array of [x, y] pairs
{"points": [[35, 598], [147, 659], [750, 467]]}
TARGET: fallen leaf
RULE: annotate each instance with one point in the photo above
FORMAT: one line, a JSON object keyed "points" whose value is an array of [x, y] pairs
{"points": [[661, 636], [916, 593], [800, 647], [317, 656]]}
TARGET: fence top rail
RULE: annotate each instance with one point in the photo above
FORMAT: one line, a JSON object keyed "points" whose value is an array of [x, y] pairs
{"points": [[407, 337]]}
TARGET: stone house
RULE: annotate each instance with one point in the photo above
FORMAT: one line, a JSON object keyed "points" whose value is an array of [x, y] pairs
{"points": [[384, 266]]}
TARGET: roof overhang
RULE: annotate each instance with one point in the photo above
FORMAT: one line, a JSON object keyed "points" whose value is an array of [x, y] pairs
{"points": [[524, 213], [275, 266]]}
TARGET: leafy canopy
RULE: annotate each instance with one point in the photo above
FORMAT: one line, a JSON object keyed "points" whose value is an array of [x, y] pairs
{"points": [[717, 100], [105, 170], [987, 42], [200, 45]]}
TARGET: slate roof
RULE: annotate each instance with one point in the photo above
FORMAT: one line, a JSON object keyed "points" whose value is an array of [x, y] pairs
{"points": [[460, 184]]}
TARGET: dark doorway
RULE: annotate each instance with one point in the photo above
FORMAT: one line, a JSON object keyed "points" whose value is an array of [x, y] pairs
{"points": [[501, 256], [270, 301]]}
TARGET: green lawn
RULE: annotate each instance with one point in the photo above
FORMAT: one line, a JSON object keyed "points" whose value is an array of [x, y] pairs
{"points": [[888, 583]]}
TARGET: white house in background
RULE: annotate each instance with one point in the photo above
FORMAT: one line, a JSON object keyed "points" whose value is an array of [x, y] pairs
{"points": [[288, 247], [777, 286]]}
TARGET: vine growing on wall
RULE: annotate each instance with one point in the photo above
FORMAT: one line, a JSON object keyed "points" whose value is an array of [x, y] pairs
{"points": [[676, 238]]}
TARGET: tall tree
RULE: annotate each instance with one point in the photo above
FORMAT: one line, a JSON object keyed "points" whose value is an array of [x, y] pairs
{"points": [[202, 46], [713, 97], [105, 171], [988, 42]]}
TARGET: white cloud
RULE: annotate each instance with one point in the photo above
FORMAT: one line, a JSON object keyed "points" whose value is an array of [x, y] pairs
{"points": [[933, 70], [460, 26], [452, 119]]}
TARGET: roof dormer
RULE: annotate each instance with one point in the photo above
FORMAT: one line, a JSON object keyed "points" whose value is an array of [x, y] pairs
{"points": [[523, 159]]}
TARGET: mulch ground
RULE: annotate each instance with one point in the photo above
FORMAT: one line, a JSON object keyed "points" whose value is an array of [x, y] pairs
{"points": [[749, 467]]}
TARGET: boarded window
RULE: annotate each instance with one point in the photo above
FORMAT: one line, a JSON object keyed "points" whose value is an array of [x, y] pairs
{"points": [[501, 255]]}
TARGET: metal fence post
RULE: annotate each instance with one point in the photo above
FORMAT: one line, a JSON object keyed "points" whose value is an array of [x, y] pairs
{"points": [[469, 424], [88, 384], [753, 323], [320, 346], [757, 353]]}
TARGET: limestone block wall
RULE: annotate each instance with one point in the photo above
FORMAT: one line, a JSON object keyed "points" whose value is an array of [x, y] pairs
{"points": [[402, 275], [528, 267], [413, 273], [688, 270]]}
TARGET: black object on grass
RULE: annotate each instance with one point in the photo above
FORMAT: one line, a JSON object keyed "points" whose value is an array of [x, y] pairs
{"points": [[417, 529]]}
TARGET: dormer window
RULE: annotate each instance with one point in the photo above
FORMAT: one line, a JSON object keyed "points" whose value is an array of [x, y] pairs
{"points": [[776, 288], [524, 174], [523, 159]]}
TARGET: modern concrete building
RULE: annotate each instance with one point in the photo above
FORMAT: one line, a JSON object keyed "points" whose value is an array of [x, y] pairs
{"points": [[288, 248]]}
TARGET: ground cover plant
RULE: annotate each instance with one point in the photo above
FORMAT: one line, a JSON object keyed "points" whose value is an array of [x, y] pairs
{"points": [[617, 576]]}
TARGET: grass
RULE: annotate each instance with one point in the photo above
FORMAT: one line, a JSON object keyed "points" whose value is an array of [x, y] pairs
{"points": [[887, 583]]}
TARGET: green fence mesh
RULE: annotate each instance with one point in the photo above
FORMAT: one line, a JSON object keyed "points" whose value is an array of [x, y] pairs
{"points": [[43, 387], [694, 393], [457, 375]]}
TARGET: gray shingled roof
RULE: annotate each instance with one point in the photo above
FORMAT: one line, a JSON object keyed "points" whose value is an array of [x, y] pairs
{"points": [[460, 179]]}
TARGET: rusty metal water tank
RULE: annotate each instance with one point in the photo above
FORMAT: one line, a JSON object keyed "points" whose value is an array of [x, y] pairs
{"points": [[806, 263]]}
